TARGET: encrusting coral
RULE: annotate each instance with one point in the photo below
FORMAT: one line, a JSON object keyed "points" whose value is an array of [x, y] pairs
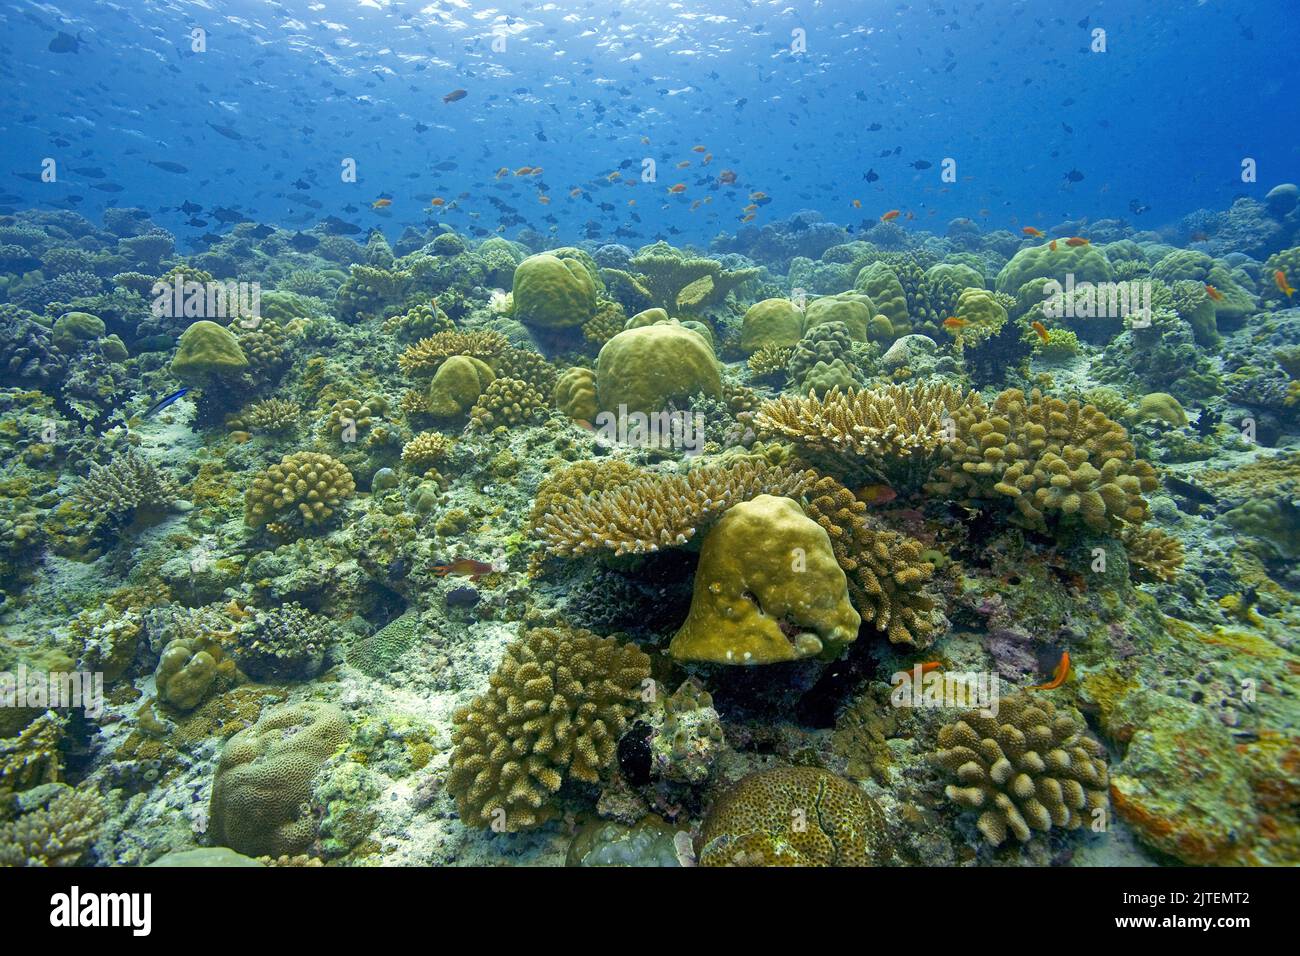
{"points": [[1030, 767], [553, 710]]}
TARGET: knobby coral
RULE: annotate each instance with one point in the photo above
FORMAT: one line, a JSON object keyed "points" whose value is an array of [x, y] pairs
{"points": [[554, 709]]}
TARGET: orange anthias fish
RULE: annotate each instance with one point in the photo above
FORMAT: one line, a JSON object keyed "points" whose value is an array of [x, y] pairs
{"points": [[952, 322], [466, 567], [1213, 293], [524, 171], [1052, 245], [758, 197], [503, 171], [677, 188], [1031, 231], [1279, 278], [455, 95], [1059, 675], [857, 204], [1077, 241], [437, 201], [1040, 329], [683, 164], [877, 494], [699, 149], [575, 192], [890, 216], [381, 204]]}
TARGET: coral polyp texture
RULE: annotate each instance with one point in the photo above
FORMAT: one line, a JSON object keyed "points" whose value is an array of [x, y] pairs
{"points": [[305, 487], [553, 711], [1029, 767]]}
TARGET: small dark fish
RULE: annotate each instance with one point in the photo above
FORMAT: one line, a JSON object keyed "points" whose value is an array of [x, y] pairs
{"points": [[337, 227], [107, 187], [90, 172], [166, 165], [446, 166], [63, 43], [197, 223], [174, 396], [1138, 207], [303, 242], [261, 232], [1074, 176], [920, 164], [299, 184], [874, 128], [190, 208], [455, 95], [1206, 422], [871, 175], [421, 128], [226, 131], [227, 216]]}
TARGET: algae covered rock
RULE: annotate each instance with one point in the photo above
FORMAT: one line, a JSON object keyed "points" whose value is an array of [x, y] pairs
{"points": [[264, 779], [205, 350], [648, 842], [554, 293], [73, 328], [794, 816], [767, 589], [771, 322], [646, 369]]}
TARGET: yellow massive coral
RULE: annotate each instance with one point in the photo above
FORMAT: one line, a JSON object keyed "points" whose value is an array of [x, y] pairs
{"points": [[305, 486], [767, 589], [554, 709], [657, 511], [893, 432], [886, 573], [1049, 457]]}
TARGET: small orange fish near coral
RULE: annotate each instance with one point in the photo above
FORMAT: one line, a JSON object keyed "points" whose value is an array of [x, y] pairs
{"points": [[544, 199], [683, 164], [524, 171], [708, 158], [857, 204], [1052, 245], [575, 192], [1059, 675], [381, 204], [1077, 241], [1283, 286], [614, 177], [503, 171], [1040, 329], [749, 218], [952, 322], [758, 197], [1031, 231], [877, 494], [1213, 293], [466, 567], [677, 188], [437, 201], [699, 149], [890, 216]]}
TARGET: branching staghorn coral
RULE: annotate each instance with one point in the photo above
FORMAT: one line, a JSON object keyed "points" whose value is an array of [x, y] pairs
{"points": [[128, 486], [770, 360], [1051, 458], [1029, 768], [661, 511], [32, 757], [424, 357], [58, 834], [554, 709], [893, 433], [1152, 554], [426, 449], [887, 575], [271, 415]]}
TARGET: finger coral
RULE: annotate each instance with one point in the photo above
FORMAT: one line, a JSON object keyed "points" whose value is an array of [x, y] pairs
{"points": [[553, 710], [1051, 458], [129, 486], [426, 449], [506, 401], [305, 487], [660, 511], [1031, 767], [886, 574]]}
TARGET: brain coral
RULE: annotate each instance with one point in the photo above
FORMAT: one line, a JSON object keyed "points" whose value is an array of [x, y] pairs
{"points": [[575, 393], [647, 369], [767, 589], [554, 709], [1029, 767], [264, 779], [554, 292], [1048, 457], [1086, 263], [305, 487], [793, 816]]}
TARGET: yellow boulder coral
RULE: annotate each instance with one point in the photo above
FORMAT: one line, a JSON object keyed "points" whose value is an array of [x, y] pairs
{"points": [[767, 589], [457, 385], [646, 369]]}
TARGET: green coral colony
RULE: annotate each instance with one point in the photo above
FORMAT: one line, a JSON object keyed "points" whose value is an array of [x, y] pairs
{"points": [[471, 551]]}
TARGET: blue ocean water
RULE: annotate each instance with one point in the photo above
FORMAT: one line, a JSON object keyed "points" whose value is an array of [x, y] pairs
{"points": [[203, 113]]}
